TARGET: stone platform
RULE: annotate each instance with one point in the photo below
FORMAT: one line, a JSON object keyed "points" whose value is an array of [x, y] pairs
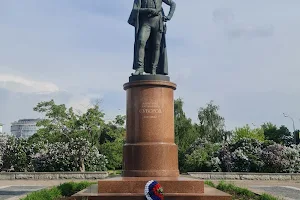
{"points": [[127, 188]]}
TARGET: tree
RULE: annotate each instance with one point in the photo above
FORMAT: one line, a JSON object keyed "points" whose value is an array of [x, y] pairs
{"points": [[111, 142], [280, 136], [202, 156], [62, 124], [211, 124], [247, 132], [185, 131], [297, 137]]}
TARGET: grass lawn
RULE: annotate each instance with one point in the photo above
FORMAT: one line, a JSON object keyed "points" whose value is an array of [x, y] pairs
{"points": [[58, 192], [239, 193], [114, 172]]}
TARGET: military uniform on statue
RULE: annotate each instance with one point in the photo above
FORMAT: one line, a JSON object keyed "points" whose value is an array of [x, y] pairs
{"points": [[150, 50]]}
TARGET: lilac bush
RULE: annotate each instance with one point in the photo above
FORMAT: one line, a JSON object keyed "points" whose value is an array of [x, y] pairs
{"points": [[201, 156], [241, 156], [3, 142], [17, 155], [278, 158], [224, 155], [76, 155]]}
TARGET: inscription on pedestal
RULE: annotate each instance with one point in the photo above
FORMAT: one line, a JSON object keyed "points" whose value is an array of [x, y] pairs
{"points": [[150, 110]]}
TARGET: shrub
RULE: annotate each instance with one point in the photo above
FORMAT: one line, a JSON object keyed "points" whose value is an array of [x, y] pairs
{"points": [[278, 158], [292, 155], [250, 155], [76, 155], [273, 157], [3, 145], [114, 152], [203, 157], [241, 156], [68, 189], [17, 155]]}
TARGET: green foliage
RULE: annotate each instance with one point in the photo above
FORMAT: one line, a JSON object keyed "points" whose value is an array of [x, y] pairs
{"points": [[76, 155], [210, 183], [211, 124], [3, 146], [68, 189], [63, 190], [246, 154], [45, 194], [280, 135], [250, 155], [267, 197], [185, 131], [61, 123], [113, 152], [111, 142], [279, 158], [297, 136], [73, 141], [17, 155], [247, 132], [202, 157], [234, 190]]}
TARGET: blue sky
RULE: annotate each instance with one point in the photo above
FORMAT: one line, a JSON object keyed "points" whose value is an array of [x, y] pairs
{"points": [[241, 54]]}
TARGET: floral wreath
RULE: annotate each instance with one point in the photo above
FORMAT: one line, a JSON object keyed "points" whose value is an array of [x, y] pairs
{"points": [[154, 191]]}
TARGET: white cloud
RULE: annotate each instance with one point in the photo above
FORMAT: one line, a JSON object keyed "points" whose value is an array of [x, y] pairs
{"points": [[21, 84], [80, 104]]}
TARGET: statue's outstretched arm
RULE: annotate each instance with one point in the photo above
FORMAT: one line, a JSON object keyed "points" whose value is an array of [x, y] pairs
{"points": [[172, 5]]}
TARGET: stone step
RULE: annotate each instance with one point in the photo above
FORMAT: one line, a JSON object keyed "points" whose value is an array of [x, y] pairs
{"points": [[137, 185], [209, 194]]}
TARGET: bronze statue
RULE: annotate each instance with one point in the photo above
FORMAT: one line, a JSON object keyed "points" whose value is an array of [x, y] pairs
{"points": [[150, 53]]}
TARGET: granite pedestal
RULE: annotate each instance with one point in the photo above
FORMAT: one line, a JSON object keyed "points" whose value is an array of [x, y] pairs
{"points": [[150, 152]]}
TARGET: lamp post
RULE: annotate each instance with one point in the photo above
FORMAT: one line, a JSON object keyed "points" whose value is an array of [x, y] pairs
{"points": [[285, 115]]}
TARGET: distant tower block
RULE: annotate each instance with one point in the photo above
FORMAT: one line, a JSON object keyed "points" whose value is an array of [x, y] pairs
{"points": [[1, 128]]}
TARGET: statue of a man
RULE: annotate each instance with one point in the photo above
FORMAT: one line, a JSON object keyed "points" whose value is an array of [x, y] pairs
{"points": [[150, 55]]}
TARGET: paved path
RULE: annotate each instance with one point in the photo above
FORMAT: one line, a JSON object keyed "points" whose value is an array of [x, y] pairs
{"points": [[16, 189], [14, 192], [288, 190]]}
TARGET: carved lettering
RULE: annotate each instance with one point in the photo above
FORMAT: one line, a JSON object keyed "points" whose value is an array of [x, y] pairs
{"points": [[144, 110]]}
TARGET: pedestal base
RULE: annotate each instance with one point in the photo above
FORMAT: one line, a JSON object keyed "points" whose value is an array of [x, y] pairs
{"points": [[139, 165], [132, 188]]}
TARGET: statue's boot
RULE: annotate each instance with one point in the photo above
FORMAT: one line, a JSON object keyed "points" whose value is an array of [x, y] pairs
{"points": [[138, 71], [154, 70]]}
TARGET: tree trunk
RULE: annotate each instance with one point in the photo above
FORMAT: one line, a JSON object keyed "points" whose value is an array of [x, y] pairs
{"points": [[82, 167]]}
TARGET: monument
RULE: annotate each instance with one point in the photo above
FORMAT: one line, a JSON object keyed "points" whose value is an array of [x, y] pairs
{"points": [[150, 152]]}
